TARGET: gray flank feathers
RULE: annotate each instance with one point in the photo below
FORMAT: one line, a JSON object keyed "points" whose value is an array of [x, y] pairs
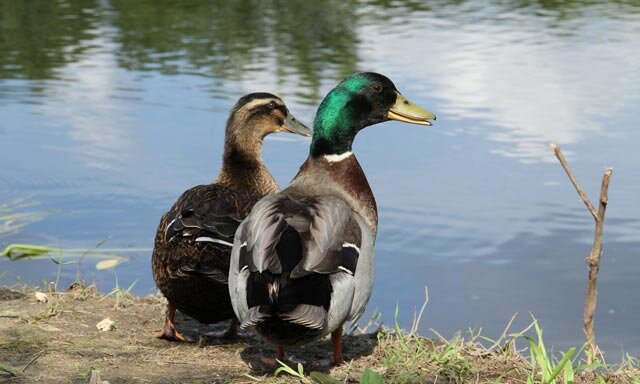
{"points": [[309, 316]]}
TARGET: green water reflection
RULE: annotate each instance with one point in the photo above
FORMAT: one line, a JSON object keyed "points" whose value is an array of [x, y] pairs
{"points": [[230, 40], [36, 37], [222, 40]]}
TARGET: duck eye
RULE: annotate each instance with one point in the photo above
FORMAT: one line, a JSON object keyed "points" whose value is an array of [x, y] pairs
{"points": [[272, 105], [377, 88]]}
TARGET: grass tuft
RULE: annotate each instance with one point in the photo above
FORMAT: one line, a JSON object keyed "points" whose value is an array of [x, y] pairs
{"points": [[543, 368], [411, 358], [122, 296]]}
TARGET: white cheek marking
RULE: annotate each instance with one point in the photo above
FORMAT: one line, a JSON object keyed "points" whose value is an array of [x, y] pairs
{"points": [[336, 158], [255, 103], [211, 240]]}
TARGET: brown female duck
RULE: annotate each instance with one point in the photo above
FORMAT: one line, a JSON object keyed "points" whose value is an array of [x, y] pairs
{"points": [[193, 243]]}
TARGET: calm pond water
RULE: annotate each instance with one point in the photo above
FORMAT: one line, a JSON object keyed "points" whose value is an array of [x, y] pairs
{"points": [[110, 109]]}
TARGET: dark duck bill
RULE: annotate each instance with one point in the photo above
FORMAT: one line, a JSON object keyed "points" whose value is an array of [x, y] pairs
{"points": [[292, 125]]}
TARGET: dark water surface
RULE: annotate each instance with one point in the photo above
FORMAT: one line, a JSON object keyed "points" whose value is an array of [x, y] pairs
{"points": [[110, 109]]}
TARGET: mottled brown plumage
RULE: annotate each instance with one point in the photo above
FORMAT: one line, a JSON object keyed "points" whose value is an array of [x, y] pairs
{"points": [[190, 259]]}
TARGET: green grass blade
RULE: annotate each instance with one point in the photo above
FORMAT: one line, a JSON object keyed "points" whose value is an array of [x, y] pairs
{"points": [[543, 357], [395, 320], [7, 369], [128, 290], [323, 378], [533, 350], [287, 369], [370, 377], [565, 359], [253, 378], [569, 373]]}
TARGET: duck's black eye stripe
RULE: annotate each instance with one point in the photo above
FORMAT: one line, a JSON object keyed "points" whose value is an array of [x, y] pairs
{"points": [[282, 109], [265, 109]]}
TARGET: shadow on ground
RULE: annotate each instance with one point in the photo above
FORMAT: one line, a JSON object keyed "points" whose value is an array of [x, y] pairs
{"points": [[315, 355]]}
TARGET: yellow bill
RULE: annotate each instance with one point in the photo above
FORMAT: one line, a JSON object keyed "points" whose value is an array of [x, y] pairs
{"points": [[406, 111]]}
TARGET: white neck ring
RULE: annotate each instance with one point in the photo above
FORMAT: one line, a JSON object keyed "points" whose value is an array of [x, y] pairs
{"points": [[336, 158]]}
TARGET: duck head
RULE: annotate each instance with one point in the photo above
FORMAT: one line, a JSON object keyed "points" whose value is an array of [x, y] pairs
{"points": [[258, 114], [358, 101]]}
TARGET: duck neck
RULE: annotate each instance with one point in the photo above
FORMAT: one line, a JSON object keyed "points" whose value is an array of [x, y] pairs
{"points": [[242, 166], [335, 126], [330, 146]]}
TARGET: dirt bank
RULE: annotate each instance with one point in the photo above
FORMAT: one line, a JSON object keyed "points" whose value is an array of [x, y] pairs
{"points": [[57, 341]]}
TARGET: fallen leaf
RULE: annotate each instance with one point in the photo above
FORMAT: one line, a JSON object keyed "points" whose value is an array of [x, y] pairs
{"points": [[42, 297], [106, 325], [107, 264]]}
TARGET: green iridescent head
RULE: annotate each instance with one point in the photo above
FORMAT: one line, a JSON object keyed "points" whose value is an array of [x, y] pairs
{"points": [[360, 100]]}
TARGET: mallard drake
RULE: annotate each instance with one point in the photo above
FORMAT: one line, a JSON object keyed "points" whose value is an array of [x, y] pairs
{"points": [[190, 259], [302, 262]]}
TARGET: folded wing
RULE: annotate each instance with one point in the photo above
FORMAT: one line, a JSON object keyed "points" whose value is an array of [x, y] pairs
{"points": [[299, 259]]}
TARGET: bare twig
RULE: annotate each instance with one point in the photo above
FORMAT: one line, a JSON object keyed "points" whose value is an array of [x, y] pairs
{"points": [[34, 358], [578, 187], [594, 266], [596, 251]]}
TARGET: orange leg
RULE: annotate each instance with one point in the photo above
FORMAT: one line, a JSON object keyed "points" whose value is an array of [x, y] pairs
{"points": [[169, 332], [336, 342], [282, 356]]}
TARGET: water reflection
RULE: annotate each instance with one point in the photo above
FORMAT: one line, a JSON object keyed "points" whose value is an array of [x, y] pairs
{"points": [[521, 68], [84, 103], [38, 37], [293, 44]]}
